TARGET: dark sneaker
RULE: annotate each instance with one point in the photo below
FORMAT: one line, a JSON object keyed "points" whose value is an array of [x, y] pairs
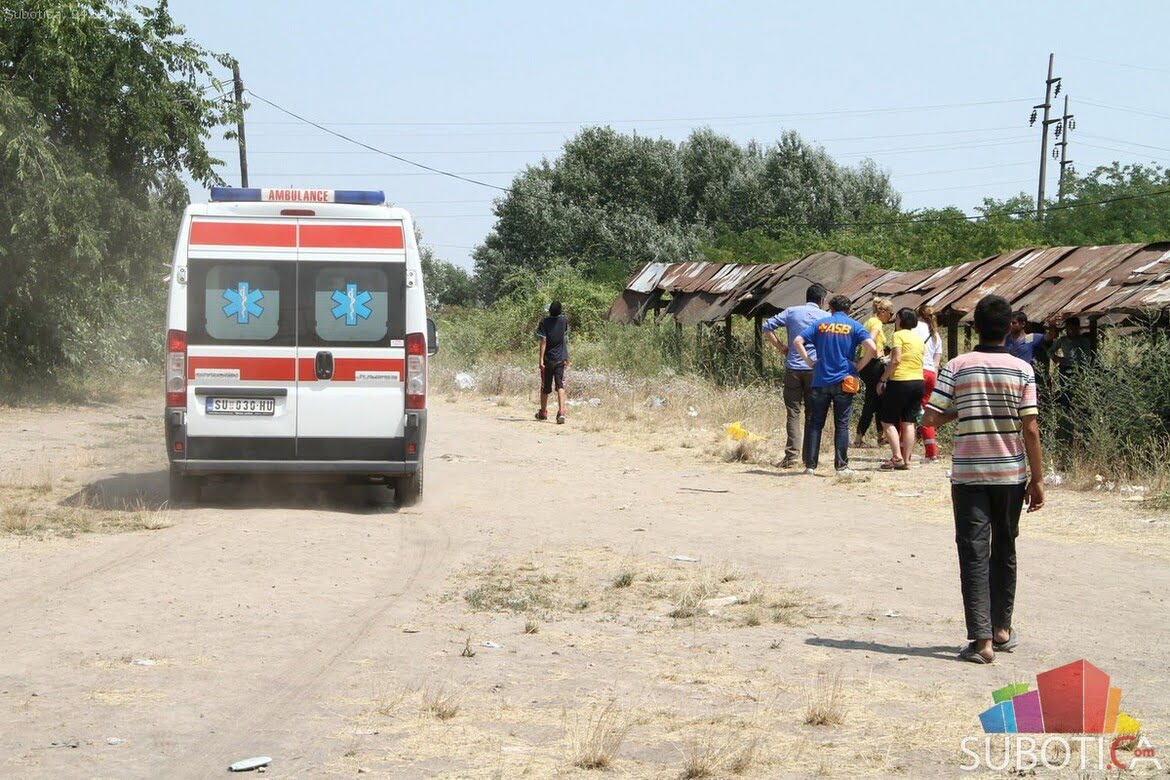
{"points": [[560, 419], [542, 415]]}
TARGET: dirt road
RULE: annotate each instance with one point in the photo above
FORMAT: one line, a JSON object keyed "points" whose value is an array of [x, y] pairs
{"points": [[324, 628]]}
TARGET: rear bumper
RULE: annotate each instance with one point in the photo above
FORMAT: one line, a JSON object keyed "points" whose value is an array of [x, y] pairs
{"points": [[359, 457], [371, 468]]}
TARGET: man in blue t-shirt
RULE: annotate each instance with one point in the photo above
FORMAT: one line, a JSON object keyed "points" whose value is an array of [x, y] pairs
{"points": [[836, 340], [797, 374]]}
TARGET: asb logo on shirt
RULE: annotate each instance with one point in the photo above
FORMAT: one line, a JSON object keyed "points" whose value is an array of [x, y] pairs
{"points": [[839, 328]]}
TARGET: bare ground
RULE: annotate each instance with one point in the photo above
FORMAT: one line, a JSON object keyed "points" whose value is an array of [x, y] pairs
{"points": [[562, 599]]}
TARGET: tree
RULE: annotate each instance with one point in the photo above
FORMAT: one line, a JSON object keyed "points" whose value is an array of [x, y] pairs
{"points": [[100, 110], [613, 202], [446, 284]]}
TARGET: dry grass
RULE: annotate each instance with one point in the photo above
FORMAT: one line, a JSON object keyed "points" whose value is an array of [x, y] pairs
{"points": [[441, 701], [594, 738], [531, 626], [824, 704], [624, 579], [708, 755]]}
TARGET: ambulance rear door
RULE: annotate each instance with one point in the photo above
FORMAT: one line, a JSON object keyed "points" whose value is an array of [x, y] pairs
{"points": [[241, 339], [351, 343]]}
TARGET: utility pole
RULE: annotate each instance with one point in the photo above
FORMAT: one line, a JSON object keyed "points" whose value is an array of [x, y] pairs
{"points": [[240, 123], [1066, 125], [1046, 105]]}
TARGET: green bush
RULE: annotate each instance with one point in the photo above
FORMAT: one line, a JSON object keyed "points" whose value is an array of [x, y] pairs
{"points": [[1117, 421]]}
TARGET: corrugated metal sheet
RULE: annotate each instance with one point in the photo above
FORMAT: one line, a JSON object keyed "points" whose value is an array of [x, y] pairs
{"points": [[1097, 281]]}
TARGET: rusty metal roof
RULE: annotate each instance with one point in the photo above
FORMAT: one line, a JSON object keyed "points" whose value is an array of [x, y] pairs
{"points": [[1045, 282]]}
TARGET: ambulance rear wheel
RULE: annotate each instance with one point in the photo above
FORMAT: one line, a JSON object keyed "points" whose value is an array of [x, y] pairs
{"points": [[408, 490], [184, 489]]}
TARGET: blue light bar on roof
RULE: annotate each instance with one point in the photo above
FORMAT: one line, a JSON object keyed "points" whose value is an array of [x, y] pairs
{"points": [[291, 195]]}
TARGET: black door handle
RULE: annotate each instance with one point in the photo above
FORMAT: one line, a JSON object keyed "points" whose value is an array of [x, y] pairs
{"points": [[324, 365]]}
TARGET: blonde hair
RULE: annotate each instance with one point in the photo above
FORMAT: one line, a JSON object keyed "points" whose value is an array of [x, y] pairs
{"points": [[926, 313], [883, 304]]}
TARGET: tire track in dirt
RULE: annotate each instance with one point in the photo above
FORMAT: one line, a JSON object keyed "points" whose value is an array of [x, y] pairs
{"points": [[425, 546], [107, 562]]}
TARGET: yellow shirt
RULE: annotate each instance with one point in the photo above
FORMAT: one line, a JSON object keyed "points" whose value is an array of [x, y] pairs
{"points": [[913, 349], [874, 326]]}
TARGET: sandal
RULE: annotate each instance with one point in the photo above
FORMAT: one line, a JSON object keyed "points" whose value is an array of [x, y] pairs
{"points": [[1011, 644], [969, 653], [890, 464]]}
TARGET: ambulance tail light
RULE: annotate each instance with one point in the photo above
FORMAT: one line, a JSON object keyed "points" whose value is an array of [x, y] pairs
{"points": [[416, 371], [176, 368]]}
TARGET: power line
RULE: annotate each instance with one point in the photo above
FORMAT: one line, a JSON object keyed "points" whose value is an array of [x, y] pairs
{"points": [[367, 174], [968, 186], [1128, 109], [1118, 64], [1017, 213], [962, 170], [1127, 143], [883, 223], [835, 113], [1130, 152], [376, 150]]}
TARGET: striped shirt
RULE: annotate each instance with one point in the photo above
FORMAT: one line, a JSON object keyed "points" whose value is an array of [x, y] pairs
{"points": [[991, 392]]}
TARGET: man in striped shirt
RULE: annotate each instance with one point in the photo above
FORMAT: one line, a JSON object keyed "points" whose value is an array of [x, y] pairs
{"points": [[997, 469]]}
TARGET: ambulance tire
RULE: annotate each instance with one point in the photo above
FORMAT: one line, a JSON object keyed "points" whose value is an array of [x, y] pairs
{"points": [[184, 490], [408, 491]]}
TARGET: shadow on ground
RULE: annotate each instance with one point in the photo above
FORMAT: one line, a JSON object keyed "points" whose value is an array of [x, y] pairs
{"points": [[136, 492], [941, 652]]}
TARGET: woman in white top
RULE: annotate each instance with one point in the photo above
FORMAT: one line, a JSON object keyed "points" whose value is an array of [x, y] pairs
{"points": [[931, 363]]}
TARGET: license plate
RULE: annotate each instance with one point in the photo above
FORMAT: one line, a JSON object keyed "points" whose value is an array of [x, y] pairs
{"points": [[245, 406]]}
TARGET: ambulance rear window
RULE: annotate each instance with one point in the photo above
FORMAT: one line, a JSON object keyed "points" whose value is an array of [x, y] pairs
{"points": [[351, 303], [236, 302]]}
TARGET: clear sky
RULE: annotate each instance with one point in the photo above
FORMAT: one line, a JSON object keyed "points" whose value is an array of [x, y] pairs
{"points": [[937, 93]]}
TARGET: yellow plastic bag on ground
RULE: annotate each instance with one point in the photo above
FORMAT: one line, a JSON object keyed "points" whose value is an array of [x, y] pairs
{"points": [[738, 433]]}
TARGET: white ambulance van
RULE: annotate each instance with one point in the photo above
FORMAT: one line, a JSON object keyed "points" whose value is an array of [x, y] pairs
{"points": [[297, 341]]}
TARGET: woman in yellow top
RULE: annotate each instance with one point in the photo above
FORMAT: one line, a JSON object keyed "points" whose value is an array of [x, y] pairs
{"points": [[883, 312], [900, 389]]}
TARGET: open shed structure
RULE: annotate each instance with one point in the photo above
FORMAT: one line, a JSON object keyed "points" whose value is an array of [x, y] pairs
{"points": [[1102, 284]]}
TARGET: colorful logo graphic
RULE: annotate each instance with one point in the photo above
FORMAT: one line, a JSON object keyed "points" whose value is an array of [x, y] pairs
{"points": [[1072, 699], [351, 304], [243, 303]]}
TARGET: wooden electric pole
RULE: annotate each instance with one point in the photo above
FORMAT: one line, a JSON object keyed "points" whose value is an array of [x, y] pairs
{"points": [[240, 124], [1062, 131]]}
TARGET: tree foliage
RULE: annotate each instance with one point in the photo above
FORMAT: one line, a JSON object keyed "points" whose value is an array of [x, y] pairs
{"points": [[612, 202], [101, 108]]}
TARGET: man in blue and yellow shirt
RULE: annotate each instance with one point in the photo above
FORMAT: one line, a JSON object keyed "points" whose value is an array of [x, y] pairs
{"points": [[836, 340]]}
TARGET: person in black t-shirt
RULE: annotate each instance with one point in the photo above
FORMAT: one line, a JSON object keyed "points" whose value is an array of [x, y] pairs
{"points": [[553, 332]]}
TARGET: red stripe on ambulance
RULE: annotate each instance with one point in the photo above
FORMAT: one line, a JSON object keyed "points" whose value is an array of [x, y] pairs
{"points": [[346, 369], [351, 236], [252, 369], [244, 234]]}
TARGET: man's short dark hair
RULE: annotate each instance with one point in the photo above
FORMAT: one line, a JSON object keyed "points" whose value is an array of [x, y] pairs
{"points": [[907, 318], [816, 293], [554, 309], [1073, 321], [993, 318], [1019, 316], [840, 303]]}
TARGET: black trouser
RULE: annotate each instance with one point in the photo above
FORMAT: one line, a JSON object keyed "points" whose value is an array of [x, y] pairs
{"points": [[842, 404], [987, 522], [871, 376]]}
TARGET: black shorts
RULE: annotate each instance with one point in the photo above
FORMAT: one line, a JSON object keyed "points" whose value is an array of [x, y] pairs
{"points": [[900, 402], [553, 372]]}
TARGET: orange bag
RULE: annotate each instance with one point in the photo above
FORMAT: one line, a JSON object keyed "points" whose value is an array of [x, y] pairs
{"points": [[851, 384]]}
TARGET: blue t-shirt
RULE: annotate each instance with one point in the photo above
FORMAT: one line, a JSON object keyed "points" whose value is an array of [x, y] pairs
{"points": [[794, 320], [836, 340], [1025, 347]]}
